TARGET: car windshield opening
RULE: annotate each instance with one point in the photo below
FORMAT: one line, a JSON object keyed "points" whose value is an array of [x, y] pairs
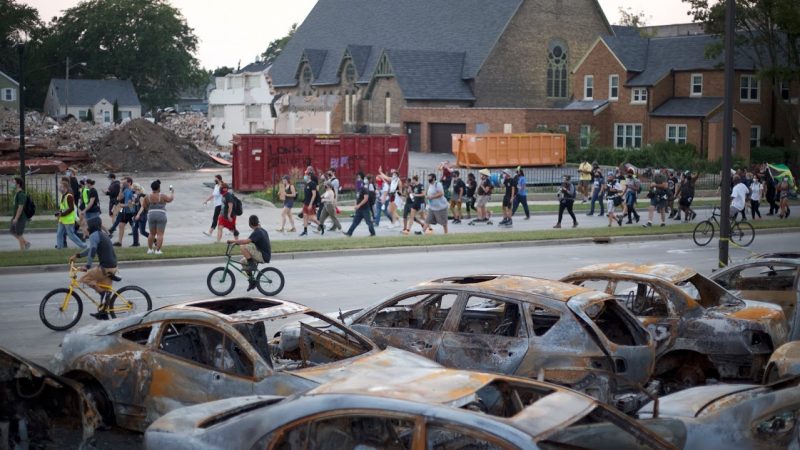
{"points": [[504, 399], [615, 324], [706, 292]]}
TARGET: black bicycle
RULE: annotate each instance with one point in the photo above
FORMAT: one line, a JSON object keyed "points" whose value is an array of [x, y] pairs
{"points": [[742, 232], [221, 280]]}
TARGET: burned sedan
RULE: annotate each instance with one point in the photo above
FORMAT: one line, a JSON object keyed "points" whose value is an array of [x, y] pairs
{"points": [[771, 280], [701, 330], [519, 326], [784, 363], [144, 366], [414, 409], [735, 416]]}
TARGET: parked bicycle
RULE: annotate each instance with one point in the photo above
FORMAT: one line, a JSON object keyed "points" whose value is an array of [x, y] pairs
{"points": [[62, 308], [742, 232], [221, 280]]}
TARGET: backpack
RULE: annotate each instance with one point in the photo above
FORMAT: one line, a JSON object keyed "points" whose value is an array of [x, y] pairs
{"points": [[237, 205], [30, 208]]}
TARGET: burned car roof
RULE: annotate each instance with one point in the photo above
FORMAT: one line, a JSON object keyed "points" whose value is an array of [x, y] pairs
{"points": [[666, 272], [245, 309], [512, 284]]}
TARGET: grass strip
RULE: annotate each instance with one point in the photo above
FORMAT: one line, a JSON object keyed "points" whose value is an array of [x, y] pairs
{"points": [[53, 256], [33, 224]]}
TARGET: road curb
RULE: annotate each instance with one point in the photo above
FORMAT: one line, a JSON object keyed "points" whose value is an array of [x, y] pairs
{"points": [[21, 270]]}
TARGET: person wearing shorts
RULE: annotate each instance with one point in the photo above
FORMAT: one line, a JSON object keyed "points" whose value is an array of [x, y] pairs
{"points": [[310, 195], [227, 220], [156, 206], [104, 273], [457, 197], [255, 249], [437, 205], [658, 198], [484, 193], [19, 219]]}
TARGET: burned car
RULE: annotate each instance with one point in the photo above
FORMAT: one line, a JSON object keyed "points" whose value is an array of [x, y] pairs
{"points": [[771, 280], [784, 363], [146, 365], [415, 409], [39, 409], [735, 416], [518, 326], [701, 330]]}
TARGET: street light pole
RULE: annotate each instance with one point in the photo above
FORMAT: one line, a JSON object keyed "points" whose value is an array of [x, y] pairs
{"points": [[21, 51], [727, 134], [66, 100]]}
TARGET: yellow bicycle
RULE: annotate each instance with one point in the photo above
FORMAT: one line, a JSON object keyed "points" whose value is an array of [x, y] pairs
{"points": [[62, 308]]}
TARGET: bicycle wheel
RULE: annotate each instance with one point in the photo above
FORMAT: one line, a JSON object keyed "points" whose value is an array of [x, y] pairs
{"points": [[703, 233], [742, 234], [54, 316], [129, 300], [220, 281], [270, 281]]}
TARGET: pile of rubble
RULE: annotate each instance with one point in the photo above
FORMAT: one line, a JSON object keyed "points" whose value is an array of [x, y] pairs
{"points": [[140, 145], [191, 126]]}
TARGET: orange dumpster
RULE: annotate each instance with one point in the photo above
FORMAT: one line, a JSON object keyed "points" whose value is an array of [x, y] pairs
{"points": [[510, 150]]}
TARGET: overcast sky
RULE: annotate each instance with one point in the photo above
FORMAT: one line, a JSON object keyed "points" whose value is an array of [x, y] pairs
{"points": [[238, 30]]}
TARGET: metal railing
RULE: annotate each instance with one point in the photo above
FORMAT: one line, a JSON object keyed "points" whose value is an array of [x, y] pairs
{"points": [[42, 188]]}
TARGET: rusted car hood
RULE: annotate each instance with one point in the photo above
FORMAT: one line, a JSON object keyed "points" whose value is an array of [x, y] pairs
{"points": [[785, 360], [389, 358], [769, 316], [690, 402]]}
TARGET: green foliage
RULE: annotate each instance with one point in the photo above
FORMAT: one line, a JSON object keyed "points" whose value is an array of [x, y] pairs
{"points": [[663, 154], [222, 71], [276, 46], [13, 17], [773, 155], [145, 41], [117, 118], [90, 115], [636, 19]]}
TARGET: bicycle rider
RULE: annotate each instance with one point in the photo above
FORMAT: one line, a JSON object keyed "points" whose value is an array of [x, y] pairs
{"points": [[105, 271], [255, 249], [738, 197]]}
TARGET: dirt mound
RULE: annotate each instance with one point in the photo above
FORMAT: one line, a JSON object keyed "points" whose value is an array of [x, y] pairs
{"points": [[143, 146]]}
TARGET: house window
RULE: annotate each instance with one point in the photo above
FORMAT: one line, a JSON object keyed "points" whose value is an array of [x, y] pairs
{"points": [[235, 83], [253, 111], [676, 134], [388, 105], [252, 81], [639, 96], [557, 69], [217, 111], [9, 94], [697, 85], [785, 90], [124, 115], [564, 128], [350, 73], [755, 136], [541, 126], [588, 87], [586, 136], [306, 75], [107, 116], [613, 87], [82, 114], [749, 88], [628, 135]]}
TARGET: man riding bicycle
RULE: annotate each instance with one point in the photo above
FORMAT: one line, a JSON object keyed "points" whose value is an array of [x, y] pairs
{"points": [[255, 249], [105, 272]]}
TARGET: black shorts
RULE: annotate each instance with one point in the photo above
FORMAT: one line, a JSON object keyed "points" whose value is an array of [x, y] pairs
{"points": [[416, 206], [406, 210], [125, 217], [507, 202], [685, 201]]}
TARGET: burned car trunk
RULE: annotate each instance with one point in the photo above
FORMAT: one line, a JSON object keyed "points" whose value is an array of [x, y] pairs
{"points": [[41, 410]]}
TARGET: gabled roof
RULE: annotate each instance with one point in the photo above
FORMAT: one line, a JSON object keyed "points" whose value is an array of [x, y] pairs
{"points": [[428, 75], [9, 78], [89, 92], [688, 107], [595, 106], [254, 67], [465, 26]]}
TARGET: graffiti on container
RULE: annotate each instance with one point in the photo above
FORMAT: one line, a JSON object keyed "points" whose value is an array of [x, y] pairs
{"points": [[326, 141], [340, 162]]}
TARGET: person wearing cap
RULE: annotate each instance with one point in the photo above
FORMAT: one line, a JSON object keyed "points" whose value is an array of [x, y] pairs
{"points": [[457, 197], [566, 199], [484, 194], [522, 194], [585, 174], [287, 195], [510, 186]]}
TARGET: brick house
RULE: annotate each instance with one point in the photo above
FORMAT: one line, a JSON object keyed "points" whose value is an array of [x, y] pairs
{"points": [[434, 67]]}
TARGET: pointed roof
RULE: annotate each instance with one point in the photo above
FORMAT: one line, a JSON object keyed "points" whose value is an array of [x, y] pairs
{"points": [[9, 78], [430, 75], [88, 92]]}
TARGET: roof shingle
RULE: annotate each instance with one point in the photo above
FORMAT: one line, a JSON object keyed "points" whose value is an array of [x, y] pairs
{"points": [[688, 107], [89, 92]]}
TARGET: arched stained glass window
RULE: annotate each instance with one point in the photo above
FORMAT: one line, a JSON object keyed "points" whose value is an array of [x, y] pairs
{"points": [[557, 61]]}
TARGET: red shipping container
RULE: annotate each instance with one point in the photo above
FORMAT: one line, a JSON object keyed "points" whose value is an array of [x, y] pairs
{"points": [[260, 160]]}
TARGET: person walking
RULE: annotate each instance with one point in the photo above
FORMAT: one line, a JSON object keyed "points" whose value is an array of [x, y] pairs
{"points": [[67, 215], [566, 199], [155, 204], [658, 198], [437, 205], [756, 194], [672, 194], [522, 194], [613, 198], [126, 212], [227, 219], [336, 186], [416, 198], [328, 209], [597, 190], [310, 199], [484, 194], [771, 192], [287, 195], [19, 219], [255, 249], [632, 188], [112, 192], [216, 197], [686, 196], [585, 180], [738, 197], [139, 220], [510, 186], [472, 186], [783, 196], [363, 209], [457, 197]]}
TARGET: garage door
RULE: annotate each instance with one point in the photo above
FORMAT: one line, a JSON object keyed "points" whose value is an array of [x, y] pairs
{"points": [[441, 141], [414, 131]]}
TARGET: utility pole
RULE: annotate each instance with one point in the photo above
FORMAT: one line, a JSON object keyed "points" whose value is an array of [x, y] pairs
{"points": [[66, 100], [727, 135], [21, 51]]}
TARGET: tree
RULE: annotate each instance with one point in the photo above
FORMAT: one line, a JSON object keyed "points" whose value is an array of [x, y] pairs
{"points": [[115, 112], [221, 71], [276, 47], [90, 115], [145, 41], [768, 35], [636, 19]]}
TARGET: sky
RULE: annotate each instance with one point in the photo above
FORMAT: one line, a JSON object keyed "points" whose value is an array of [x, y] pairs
{"points": [[231, 31]]}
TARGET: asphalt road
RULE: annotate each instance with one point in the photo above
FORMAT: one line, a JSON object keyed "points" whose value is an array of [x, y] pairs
{"points": [[330, 283]]}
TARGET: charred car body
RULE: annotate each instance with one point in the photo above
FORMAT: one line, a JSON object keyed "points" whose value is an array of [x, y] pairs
{"points": [[701, 330], [414, 409], [147, 365], [518, 326], [784, 363]]}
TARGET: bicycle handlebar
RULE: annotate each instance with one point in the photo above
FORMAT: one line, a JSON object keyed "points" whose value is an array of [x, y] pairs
{"points": [[230, 247]]}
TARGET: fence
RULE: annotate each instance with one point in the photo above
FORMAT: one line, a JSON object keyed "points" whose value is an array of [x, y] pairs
{"points": [[42, 188]]}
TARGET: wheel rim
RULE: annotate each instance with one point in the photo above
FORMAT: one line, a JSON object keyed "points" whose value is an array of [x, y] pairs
{"points": [[61, 317], [270, 281], [220, 281]]}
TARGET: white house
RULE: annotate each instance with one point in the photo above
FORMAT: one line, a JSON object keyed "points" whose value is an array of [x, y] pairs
{"points": [[78, 97], [241, 103]]}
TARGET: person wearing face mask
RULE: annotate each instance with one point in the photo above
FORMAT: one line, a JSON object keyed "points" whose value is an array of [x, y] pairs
{"points": [[363, 208], [511, 192], [392, 186], [216, 196], [437, 205], [310, 197], [484, 193]]}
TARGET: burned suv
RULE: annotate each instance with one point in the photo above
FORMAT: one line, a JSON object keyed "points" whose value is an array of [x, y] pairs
{"points": [[522, 326], [701, 330]]}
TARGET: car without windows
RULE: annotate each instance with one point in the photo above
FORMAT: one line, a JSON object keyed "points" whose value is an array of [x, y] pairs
{"points": [[414, 409], [771, 280], [701, 330], [144, 366], [518, 326]]}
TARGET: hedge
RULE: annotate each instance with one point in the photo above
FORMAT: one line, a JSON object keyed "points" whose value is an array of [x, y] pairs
{"points": [[663, 154]]}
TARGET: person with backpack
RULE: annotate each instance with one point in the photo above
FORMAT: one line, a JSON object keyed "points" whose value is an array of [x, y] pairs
{"points": [[598, 187], [67, 215], [127, 211], [566, 199], [156, 206], [227, 219], [366, 195], [658, 195], [22, 213], [522, 194]]}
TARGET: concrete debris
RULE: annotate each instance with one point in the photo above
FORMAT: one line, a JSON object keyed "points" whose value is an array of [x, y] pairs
{"points": [[191, 126]]}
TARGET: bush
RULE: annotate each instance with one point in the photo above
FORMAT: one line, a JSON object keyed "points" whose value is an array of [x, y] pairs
{"points": [[773, 155], [662, 154]]}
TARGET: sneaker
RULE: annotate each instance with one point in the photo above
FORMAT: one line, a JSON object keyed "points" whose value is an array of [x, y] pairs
{"points": [[528, 218], [628, 222], [575, 225], [489, 222], [663, 224], [99, 315], [209, 234], [694, 214], [316, 230], [647, 225], [149, 251], [347, 234], [590, 214], [251, 284], [158, 252], [135, 244], [117, 244], [619, 221], [27, 245], [558, 225], [304, 233], [637, 219], [418, 233]]}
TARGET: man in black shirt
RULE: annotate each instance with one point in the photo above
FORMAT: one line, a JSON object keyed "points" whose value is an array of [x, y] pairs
{"points": [[310, 200], [459, 190], [511, 192], [255, 249], [363, 210]]}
